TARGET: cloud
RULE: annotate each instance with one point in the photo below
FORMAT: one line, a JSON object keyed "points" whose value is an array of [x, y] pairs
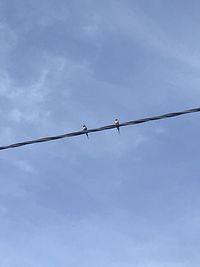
{"points": [[138, 25], [93, 27], [24, 166], [6, 135], [3, 209], [8, 39]]}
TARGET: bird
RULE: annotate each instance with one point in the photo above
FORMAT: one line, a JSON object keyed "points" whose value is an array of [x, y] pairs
{"points": [[84, 128], [117, 123]]}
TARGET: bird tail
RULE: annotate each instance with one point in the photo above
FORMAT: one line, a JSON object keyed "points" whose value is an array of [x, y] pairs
{"points": [[118, 130], [87, 135]]}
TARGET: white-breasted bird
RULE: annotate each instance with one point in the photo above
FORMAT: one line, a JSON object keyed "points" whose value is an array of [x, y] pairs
{"points": [[84, 128], [117, 123]]}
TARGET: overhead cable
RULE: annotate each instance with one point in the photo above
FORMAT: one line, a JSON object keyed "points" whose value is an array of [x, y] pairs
{"points": [[100, 129]]}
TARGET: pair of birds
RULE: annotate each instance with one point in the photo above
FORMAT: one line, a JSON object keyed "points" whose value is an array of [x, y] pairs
{"points": [[116, 122]]}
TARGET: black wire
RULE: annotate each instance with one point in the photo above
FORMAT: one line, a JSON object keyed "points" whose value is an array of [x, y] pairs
{"points": [[104, 128]]}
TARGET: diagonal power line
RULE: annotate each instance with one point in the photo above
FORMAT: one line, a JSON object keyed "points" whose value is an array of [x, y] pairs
{"points": [[100, 129]]}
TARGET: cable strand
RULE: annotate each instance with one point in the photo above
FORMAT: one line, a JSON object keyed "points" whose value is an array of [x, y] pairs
{"points": [[100, 129]]}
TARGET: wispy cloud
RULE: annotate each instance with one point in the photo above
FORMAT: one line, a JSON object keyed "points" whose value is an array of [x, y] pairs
{"points": [[136, 24], [24, 166]]}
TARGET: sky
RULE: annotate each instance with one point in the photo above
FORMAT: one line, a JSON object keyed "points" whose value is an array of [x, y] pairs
{"points": [[111, 200]]}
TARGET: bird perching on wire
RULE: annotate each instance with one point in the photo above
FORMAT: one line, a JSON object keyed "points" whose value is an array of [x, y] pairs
{"points": [[84, 128], [116, 122]]}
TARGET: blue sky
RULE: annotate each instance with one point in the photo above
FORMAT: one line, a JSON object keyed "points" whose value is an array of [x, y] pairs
{"points": [[113, 200]]}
